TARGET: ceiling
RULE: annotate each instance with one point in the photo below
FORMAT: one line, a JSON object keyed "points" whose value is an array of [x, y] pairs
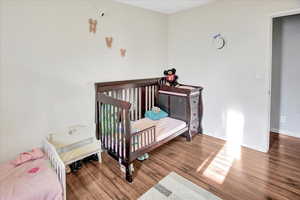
{"points": [[166, 6]]}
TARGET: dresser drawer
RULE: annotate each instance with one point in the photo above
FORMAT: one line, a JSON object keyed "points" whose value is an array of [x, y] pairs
{"points": [[194, 126], [194, 102]]}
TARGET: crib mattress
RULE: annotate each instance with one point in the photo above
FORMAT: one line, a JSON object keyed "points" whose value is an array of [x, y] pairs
{"points": [[164, 127]]}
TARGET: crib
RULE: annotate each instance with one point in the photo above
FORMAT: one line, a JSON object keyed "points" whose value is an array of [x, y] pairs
{"points": [[118, 106]]}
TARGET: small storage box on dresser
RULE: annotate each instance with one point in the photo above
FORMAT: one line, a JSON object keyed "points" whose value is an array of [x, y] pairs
{"points": [[184, 103]]}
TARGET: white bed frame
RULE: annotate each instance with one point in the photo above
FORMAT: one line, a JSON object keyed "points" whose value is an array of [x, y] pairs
{"points": [[57, 164]]}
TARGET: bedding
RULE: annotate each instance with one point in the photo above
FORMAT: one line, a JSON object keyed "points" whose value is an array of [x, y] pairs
{"points": [[27, 156], [163, 127], [32, 180]]}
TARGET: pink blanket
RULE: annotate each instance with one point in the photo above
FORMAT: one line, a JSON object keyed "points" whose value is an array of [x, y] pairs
{"points": [[32, 180]]}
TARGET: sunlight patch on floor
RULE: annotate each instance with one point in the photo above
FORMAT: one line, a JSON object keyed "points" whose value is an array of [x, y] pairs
{"points": [[220, 166]]}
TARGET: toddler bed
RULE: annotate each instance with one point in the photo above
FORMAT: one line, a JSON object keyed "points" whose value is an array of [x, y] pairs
{"points": [[42, 178], [124, 133]]}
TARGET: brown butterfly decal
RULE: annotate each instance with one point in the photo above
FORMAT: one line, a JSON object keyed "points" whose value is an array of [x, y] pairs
{"points": [[109, 41], [123, 52], [93, 25]]}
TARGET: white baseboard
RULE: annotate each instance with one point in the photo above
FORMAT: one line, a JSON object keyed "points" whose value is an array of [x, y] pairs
{"points": [[286, 132], [256, 148]]}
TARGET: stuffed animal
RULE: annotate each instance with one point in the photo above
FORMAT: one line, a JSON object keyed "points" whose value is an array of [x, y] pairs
{"points": [[171, 78], [156, 109]]}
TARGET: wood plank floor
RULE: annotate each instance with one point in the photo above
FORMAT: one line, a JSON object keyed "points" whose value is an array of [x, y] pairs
{"points": [[207, 162]]}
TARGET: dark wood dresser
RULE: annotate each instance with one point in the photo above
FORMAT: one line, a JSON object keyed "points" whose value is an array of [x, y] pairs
{"points": [[183, 103]]}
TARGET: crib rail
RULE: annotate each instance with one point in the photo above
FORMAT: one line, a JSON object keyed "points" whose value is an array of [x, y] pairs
{"points": [[141, 94], [114, 126], [143, 139]]}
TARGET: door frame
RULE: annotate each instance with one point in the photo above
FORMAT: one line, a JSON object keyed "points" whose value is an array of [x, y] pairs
{"points": [[270, 65]]}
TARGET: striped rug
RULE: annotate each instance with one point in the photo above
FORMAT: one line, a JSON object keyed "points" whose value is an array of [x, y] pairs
{"points": [[175, 187]]}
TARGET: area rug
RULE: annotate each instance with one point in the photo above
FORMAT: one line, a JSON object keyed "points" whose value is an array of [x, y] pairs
{"points": [[176, 187]]}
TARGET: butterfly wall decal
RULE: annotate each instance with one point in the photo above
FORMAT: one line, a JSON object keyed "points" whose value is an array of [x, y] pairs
{"points": [[93, 25], [123, 52], [109, 41]]}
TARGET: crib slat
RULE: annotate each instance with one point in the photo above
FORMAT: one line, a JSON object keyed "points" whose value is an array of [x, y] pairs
{"points": [[152, 136], [135, 104], [139, 103], [123, 133], [120, 94], [134, 145], [110, 127], [130, 101], [143, 140], [156, 94], [113, 121], [104, 125], [113, 129], [153, 94], [138, 141], [120, 133], [148, 138], [146, 98], [101, 121], [107, 126], [117, 132], [126, 95], [149, 97]]}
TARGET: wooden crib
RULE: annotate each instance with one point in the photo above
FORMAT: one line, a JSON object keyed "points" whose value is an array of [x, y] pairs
{"points": [[117, 105]]}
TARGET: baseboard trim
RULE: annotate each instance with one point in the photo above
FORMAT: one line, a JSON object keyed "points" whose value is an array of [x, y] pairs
{"points": [[286, 132], [256, 148]]}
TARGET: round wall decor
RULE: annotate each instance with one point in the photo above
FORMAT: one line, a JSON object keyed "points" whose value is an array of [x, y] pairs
{"points": [[219, 41]]}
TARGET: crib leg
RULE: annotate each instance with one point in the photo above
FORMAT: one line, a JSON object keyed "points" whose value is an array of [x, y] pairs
{"points": [[188, 136], [128, 173], [99, 157]]}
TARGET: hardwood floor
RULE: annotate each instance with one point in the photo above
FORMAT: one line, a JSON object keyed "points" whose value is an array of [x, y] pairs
{"points": [[207, 162]]}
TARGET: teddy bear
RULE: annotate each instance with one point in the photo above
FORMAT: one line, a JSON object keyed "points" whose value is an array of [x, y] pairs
{"points": [[171, 77]]}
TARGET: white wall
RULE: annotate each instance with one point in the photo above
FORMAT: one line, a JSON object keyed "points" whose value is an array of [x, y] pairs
{"points": [[49, 62], [235, 79], [285, 76], [1, 82]]}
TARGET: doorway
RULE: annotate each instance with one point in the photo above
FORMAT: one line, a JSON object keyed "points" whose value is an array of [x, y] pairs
{"points": [[285, 85]]}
